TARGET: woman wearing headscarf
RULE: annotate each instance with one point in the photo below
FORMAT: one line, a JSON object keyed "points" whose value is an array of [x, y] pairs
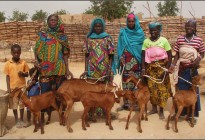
{"points": [[186, 67], [156, 53], [99, 55], [129, 47], [51, 53]]}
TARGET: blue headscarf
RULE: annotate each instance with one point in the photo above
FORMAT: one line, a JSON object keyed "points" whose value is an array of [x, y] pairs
{"points": [[154, 25], [131, 40], [91, 34]]}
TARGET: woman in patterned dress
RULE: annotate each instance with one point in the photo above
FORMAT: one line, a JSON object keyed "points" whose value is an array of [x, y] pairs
{"points": [[156, 51], [129, 47], [99, 54], [51, 53]]}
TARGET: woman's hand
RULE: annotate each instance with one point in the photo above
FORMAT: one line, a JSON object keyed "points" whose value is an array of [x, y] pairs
{"points": [[69, 74], [22, 74], [122, 61], [171, 68], [196, 62], [83, 75]]}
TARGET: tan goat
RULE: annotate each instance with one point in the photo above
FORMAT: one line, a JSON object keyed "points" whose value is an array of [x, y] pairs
{"points": [[72, 91], [37, 103], [184, 98], [142, 96]]}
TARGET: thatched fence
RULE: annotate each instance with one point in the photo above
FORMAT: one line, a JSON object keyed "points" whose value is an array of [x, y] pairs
{"points": [[25, 33]]}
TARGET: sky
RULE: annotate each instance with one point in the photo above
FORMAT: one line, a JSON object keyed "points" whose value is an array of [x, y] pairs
{"points": [[77, 7]]}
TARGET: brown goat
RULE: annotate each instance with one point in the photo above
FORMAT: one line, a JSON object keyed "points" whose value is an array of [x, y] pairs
{"points": [[37, 103], [72, 90], [142, 96], [184, 98], [94, 99]]}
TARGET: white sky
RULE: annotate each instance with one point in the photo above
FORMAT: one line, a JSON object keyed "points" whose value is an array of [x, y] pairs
{"points": [[77, 7]]}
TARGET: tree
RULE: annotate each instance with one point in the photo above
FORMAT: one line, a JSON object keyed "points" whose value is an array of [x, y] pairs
{"points": [[18, 16], [61, 12], [110, 9], [169, 8], [2, 17], [39, 16]]}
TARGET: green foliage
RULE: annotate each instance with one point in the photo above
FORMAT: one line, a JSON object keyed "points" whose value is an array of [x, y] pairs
{"points": [[110, 9], [169, 8], [2, 17], [61, 12], [19, 16], [39, 16]]}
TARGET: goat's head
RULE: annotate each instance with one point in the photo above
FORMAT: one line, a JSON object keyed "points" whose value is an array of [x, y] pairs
{"points": [[196, 80]]}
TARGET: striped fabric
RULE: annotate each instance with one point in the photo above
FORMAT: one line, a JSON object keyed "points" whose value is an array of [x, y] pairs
{"points": [[196, 42]]}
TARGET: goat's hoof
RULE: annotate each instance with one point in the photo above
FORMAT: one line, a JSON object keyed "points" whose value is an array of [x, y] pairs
{"points": [[126, 127], [42, 132], [70, 130], [35, 130], [111, 128], [146, 119], [167, 127], [176, 131], [47, 122], [84, 128], [192, 125], [140, 130]]}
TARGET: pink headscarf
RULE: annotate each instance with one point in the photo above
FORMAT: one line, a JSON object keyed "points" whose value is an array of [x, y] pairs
{"points": [[131, 16]]}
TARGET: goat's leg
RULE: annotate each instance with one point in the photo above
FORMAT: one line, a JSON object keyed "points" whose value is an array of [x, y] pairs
{"points": [[146, 118], [62, 119], [192, 115], [40, 122], [86, 109], [188, 113], [54, 105], [180, 108], [66, 115], [109, 118], [35, 122], [171, 112], [142, 108], [128, 118], [49, 115]]}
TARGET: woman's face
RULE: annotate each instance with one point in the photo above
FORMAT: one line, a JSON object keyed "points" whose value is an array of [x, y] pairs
{"points": [[53, 21], [131, 23], [98, 28], [154, 32], [189, 28]]}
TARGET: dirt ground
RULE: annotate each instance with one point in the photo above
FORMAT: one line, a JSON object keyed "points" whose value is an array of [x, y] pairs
{"points": [[154, 128]]}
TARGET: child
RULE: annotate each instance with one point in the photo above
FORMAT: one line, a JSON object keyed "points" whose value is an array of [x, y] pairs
{"points": [[33, 88], [16, 70]]}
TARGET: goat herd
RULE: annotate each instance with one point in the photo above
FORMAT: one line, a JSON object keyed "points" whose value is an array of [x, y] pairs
{"points": [[104, 96]]}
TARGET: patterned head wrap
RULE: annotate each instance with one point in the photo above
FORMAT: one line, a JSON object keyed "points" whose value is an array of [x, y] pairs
{"points": [[59, 27], [194, 23], [154, 25], [91, 33], [131, 16]]}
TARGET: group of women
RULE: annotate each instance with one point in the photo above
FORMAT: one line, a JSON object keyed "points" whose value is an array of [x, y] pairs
{"points": [[135, 53]]}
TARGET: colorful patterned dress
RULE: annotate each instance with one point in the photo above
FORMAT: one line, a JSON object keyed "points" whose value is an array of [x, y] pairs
{"points": [[99, 51]]}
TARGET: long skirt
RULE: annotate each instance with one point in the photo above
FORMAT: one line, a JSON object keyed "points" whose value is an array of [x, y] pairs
{"points": [[131, 66], [159, 92], [187, 74]]}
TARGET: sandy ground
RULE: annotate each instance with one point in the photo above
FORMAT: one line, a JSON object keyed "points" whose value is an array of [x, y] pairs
{"points": [[152, 129]]}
